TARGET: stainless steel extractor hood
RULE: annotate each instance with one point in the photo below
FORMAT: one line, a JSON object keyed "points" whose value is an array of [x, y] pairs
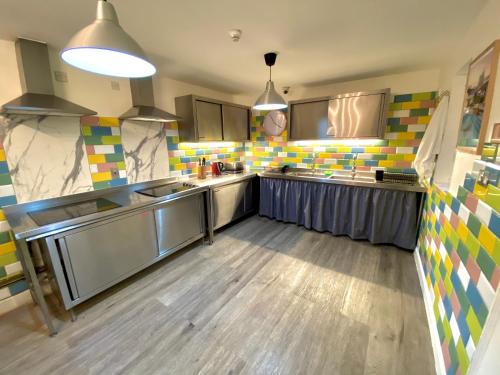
{"points": [[36, 81], [143, 103]]}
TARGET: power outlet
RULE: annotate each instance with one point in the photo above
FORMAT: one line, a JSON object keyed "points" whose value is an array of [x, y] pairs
{"points": [[60, 76]]}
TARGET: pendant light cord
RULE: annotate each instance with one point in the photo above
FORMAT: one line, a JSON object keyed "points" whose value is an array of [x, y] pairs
{"points": [[270, 73]]}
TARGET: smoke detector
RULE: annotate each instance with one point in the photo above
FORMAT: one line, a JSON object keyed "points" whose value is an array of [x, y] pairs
{"points": [[235, 34]]}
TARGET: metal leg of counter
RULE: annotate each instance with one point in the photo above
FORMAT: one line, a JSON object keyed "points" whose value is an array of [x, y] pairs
{"points": [[34, 284], [210, 216]]}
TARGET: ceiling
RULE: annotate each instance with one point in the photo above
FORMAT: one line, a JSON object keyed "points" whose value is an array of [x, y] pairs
{"points": [[319, 41]]}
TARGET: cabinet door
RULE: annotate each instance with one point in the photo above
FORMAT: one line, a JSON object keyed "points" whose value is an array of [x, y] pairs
{"points": [[309, 120], [178, 222], [234, 123], [228, 203], [209, 121], [104, 253]]}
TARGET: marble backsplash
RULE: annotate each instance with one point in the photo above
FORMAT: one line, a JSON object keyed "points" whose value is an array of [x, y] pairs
{"points": [[45, 155], [145, 150]]}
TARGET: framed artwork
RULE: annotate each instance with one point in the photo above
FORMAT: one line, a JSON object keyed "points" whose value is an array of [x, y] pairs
{"points": [[478, 98]]}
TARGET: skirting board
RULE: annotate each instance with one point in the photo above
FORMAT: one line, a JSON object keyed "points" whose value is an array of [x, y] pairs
{"points": [[431, 320]]}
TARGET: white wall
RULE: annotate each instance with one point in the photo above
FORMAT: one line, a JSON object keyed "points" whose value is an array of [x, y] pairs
{"points": [[403, 83], [10, 85]]}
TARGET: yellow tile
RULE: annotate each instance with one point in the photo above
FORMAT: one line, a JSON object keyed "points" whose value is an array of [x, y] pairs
{"points": [[109, 121], [406, 135], [480, 191], [101, 176], [487, 239], [190, 153], [423, 119], [180, 166], [386, 163], [2, 216], [7, 247], [448, 265], [86, 131], [409, 157], [372, 150], [411, 105], [2, 155], [111, 139], [97, 159], [462, 231]]}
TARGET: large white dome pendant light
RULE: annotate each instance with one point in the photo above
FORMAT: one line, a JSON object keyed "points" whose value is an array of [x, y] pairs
{"points": [[103, 47], [270, 99]]}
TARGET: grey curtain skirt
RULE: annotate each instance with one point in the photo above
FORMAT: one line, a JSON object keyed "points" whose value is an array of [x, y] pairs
{"points": [[380, 216]]}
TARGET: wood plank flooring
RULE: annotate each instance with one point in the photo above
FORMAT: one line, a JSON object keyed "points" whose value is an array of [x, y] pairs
{"points": [[266, 298]]}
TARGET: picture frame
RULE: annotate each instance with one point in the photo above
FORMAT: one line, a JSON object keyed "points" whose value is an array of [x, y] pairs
{"points": [[478, 99]]}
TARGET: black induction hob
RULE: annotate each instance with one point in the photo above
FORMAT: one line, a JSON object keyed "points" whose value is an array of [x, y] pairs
{"points": [[164, 190], [71, 211]]}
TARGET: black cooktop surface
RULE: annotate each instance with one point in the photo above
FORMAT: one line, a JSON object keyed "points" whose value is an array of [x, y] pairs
{"points": [[164, 190], [71, 211]]}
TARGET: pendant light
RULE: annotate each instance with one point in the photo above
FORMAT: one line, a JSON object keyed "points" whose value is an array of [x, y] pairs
{"points": [[270, 99], [103, 47]]}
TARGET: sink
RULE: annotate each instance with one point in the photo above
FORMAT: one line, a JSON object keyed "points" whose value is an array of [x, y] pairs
{"points": [[307, 174], [348, 178]]}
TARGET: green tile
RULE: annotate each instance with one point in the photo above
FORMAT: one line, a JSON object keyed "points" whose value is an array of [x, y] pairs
{"points": [[101, 185], [440, 330], [474, 326], [453, 353], [93, 140], [398, 128], [5, 237], [8, 258], [395, 106], [473, 245], [447, 329], [463, 358], [462, 194], [422, 96], [474, 225], [496, 251], [454, 239], [5, 179], [482, 314], [462, 298], [110, 158], [3, 273], [463, 251], [448, 285], [485, 262], [419, 112]]}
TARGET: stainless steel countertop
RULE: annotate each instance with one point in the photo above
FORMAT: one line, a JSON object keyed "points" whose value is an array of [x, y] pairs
{"points": [[345, 180], [24, 227]]}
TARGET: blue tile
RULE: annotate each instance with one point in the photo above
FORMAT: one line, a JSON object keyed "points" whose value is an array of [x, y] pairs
{"points": [[18, 287], [4, 168], [8, 200], [474, 297], [463, 327], [455, 205], [118, 182], [292, 154], [402, 98], [393, 121], [447, 306], [118, 149], [100, 130], [494, 224]]}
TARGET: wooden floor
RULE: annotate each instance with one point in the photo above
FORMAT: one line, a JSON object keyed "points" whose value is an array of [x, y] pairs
{"points": [[266, 298]]}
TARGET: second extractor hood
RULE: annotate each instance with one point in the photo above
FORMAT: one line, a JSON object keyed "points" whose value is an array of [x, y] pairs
{"points": [[144, 104], [36, 81]]}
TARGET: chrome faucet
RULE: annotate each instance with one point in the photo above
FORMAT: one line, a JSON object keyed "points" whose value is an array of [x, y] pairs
{"points": [[353, 169]]}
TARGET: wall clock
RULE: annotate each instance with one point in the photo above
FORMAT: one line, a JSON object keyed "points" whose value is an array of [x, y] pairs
{"points": [[274, 123]]}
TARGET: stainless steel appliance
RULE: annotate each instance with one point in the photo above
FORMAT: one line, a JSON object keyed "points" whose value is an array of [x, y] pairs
{"points": [[143, 103], [36, 80], [167, 189], [230, 202], [71, 211]]}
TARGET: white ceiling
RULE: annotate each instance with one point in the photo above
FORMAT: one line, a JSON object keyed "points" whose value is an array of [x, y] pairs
{"points": [[319, 41]]}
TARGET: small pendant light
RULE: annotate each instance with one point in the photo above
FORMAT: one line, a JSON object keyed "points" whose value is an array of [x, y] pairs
{"points": [[270, 99], [103, 47]]}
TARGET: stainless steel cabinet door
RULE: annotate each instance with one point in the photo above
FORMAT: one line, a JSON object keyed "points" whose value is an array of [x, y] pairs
{"points": [[104, 253], [356, 117], [179, 221], [309, 120], [228, 203], [235, 123], [209, 121]]}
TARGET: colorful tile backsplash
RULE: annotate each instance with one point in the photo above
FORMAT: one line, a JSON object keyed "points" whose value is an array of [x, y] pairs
{"points": [[459, 250], [407, 120], [104, 148], [10, 267], [183, 157]]}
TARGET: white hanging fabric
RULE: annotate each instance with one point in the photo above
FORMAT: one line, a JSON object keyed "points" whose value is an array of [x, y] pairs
{"points": [[430, 145]]}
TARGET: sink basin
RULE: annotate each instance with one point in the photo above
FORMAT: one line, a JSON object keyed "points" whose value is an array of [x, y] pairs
{"points": [[307, 174], [348, 178]]}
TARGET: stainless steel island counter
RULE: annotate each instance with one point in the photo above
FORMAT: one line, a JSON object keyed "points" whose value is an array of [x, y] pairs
{"points": [[91, 241]]}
